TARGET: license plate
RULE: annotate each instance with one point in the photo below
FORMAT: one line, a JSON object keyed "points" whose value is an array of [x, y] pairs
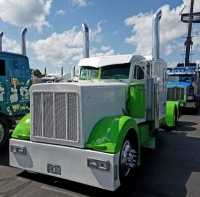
{"points": [[54, 169]]}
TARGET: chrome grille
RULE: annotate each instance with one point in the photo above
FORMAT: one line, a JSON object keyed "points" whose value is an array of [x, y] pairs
{"points": [[175, 93], [55, 116]]}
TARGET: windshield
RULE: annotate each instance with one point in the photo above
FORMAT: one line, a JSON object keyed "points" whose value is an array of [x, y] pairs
{"points": [[116, 71], [88, 72], [180, 78]]}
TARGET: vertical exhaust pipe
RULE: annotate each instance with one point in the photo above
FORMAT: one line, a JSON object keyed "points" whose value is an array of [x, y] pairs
{"points": [[85, 41], [45, 71], [156, 35], [1, 35], [155, 65], [62, 73], [23, 41]]}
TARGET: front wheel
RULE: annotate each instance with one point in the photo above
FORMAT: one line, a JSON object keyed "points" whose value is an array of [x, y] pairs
{"points": [[127, 160], [4, 132]]}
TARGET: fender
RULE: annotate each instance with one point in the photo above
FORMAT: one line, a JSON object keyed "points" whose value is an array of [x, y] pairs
{"points": [[109, 133], [171, 106], [22, 130]]}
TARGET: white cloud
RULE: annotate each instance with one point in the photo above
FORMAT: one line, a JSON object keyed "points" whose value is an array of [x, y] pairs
{"points": [[80, 3], [58, 47], [68, 45], [22, 13], [198, 62], [104, 48], [61, 12], [9, 45], [115, 32], [173, 64], [171, 28], [95, 34], [94, 53]]}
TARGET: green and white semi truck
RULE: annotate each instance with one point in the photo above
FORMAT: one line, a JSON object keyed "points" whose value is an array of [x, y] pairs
{"points": [[92, 131]]}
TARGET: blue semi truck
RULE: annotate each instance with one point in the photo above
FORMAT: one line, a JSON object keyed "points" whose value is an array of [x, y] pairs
{"points": [[15, 81], [183, 85]]}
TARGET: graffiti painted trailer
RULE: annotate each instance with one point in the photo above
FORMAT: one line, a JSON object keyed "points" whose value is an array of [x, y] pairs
{"points": [[15, 81], [91, 131]]}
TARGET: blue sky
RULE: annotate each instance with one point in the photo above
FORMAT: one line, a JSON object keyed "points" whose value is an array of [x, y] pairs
{"points": [[54, 37]]}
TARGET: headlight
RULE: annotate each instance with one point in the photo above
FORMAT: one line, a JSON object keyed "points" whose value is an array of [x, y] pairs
{"points": [[102, 165], [190, 97], [18, 149]]}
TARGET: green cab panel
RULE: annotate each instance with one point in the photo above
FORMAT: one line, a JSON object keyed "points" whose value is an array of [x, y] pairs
{"points": [[109, 133], [171, 106], [145, 139], [22, 130], [137, 103]]}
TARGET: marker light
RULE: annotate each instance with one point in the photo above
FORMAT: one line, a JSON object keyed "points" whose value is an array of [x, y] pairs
{"points": [[102, 165]]}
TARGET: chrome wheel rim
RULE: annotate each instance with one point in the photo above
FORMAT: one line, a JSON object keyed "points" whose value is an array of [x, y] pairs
{"points": [[1, 132], [128, 156]]}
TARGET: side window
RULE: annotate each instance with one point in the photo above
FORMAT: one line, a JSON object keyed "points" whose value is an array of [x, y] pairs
{"points": [[2, 68], [138, 73]]}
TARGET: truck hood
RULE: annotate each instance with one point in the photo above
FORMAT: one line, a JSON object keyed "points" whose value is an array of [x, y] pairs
{"points": [[185, 84]]}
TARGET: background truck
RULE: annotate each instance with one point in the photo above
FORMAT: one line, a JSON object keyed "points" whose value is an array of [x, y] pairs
{"points": [[184, 86], [15, 81], [91, 131]]}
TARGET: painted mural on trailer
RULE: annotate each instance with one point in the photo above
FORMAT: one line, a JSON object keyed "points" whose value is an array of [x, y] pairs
{"points": [[15, 82]]}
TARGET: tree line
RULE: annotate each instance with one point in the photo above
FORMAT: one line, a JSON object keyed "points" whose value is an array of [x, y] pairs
{"points": [[37, 73]]}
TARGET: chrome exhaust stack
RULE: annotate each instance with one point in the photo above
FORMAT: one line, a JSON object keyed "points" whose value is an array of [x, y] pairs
{"points": [[155, 64], [1, 35], [23, 41], [62, 73], [85, 41], [156, 35]]}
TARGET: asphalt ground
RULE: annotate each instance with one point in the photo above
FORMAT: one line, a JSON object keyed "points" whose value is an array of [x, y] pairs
{"points": [[172, 169]]}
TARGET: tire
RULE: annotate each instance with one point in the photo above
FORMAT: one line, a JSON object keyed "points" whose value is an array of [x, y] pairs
{"points": [[176, 118], [4, 132], [128, 149]]}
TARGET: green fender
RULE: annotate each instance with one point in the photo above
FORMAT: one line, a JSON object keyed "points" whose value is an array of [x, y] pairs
{"points": [[171, 106], [109, 133], [22, 130]]}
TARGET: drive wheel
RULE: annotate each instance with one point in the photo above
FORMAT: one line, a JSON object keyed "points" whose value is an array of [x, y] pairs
{"points": [[127, 160], [4, 132]]}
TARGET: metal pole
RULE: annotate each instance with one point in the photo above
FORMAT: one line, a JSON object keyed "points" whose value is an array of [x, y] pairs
{"points": [[1, 35], [189, 39]]}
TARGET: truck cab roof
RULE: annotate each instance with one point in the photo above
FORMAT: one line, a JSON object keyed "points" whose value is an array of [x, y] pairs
{"points": [[101, 61], [13, 55]]}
